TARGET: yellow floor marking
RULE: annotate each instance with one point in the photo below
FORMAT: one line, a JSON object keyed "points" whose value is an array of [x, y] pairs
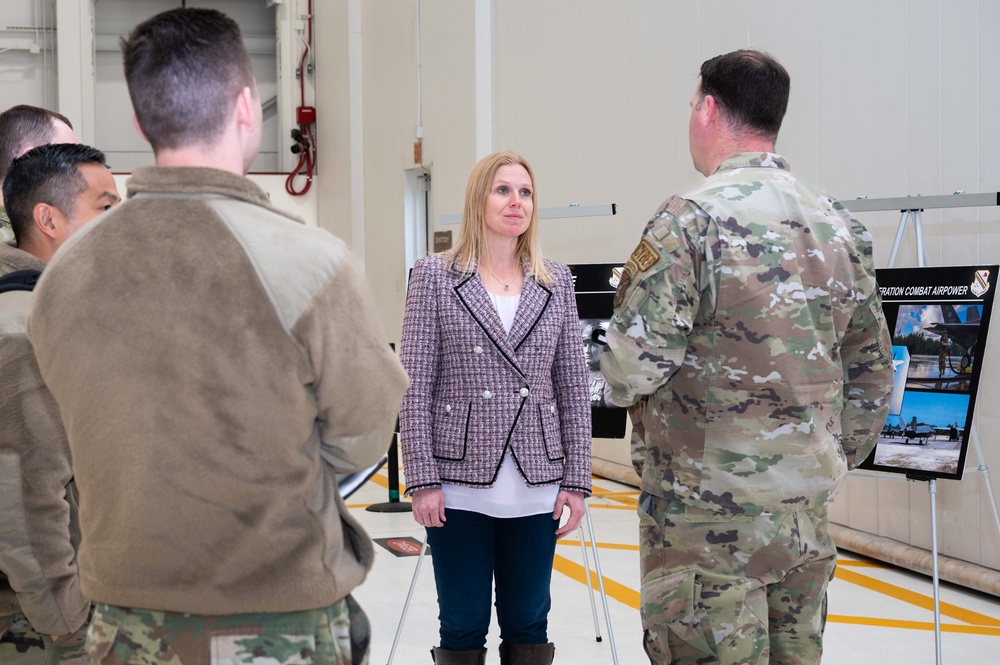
{"points": [[912, 625], [597, 506], [575, 571], [861, 564], [986, 625], [915, 598], [610, 494], [603, 546], [381, 481]]}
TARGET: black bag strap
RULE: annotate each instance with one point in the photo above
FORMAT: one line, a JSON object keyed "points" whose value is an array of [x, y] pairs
{"points": [[19, 280]]}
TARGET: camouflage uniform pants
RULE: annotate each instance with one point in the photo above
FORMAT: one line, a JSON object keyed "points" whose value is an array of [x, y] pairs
{"points": [[725, 590], [335, 635], [19, 643]]}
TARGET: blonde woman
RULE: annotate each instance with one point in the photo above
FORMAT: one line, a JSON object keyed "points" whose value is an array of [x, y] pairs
{"points": [[495, 427]]}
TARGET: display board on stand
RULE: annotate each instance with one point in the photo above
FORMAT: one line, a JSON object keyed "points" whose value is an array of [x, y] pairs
{"points": [[938, 318], [911, 209]]}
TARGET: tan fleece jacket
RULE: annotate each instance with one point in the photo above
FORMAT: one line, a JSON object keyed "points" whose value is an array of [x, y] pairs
{"points": [[217, 363], [38, 530]]}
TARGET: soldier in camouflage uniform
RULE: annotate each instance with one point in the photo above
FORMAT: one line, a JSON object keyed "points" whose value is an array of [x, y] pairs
{"points": [[22, 128], [749, 344], [334, 635]]}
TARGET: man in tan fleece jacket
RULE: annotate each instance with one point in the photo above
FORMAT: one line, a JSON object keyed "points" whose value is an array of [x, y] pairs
{"points": [[217, 364], [51, 192]]}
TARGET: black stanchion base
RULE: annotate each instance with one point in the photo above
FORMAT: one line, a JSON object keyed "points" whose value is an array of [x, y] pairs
{"points": [[390, 507]]}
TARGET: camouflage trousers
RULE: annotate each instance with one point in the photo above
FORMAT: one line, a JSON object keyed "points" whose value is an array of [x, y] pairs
{"points": [[733, 590], [334, 635], [21, 644]]}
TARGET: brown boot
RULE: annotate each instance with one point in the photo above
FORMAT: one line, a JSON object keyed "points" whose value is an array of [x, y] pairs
{"points": [[527, 654], [445, 657]]}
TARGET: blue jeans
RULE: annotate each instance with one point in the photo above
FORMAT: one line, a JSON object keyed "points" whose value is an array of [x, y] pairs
{"points": [[470, 552]]}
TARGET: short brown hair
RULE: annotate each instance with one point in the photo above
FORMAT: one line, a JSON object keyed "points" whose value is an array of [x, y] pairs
{"points": [[471, 246], [750, 87], [24, 127], [184, 69]]}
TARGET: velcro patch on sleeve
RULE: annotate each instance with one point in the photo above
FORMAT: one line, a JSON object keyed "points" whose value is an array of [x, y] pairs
{"points": [[645, 255], [623, 284]]}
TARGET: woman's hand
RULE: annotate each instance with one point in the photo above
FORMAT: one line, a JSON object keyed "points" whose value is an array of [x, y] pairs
{"points": [[428, 507], [575, 502]]}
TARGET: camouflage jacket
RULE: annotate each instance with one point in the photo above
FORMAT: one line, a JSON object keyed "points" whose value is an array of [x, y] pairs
{"points": [[748, 338], [6, 232]]}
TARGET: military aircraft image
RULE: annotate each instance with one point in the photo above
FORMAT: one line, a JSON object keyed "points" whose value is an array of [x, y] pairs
{"points": [[965, 334], [918, 431], [953, 431], [892, 429]]}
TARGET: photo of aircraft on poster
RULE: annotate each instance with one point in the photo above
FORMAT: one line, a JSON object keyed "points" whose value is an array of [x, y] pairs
{"points": [[939, 318]]}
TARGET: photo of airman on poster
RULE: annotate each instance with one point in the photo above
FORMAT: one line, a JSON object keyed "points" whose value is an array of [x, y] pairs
{"points": [[595, 285], [941, 339]]}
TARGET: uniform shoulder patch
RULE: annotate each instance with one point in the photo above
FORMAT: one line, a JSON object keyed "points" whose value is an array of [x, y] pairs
{"points": [[623, 284], [645, 255], [677, 206]]}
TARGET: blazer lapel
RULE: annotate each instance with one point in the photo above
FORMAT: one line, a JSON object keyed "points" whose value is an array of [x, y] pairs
{"points": [[535, 299], [473, 296]]}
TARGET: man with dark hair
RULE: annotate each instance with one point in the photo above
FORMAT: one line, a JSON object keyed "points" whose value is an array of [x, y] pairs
{"points": [[51, 191], [22, 128], [749, 344], [218, 364]]}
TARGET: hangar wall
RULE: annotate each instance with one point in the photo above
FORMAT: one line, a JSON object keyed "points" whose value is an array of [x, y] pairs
{"points": [[888, 99]]}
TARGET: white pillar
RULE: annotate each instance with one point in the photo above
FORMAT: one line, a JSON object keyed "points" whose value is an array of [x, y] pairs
{"points": [[484, 78], [76, 66], [355, 74]]}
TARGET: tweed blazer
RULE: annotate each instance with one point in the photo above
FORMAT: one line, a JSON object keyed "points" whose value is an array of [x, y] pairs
{"points": [[477, 391]]}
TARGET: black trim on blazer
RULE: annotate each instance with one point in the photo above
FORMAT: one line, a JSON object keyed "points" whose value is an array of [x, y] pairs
{"points": [[410, 490], [517, 463], [537, 318], [550, 481], [506, 447], [475, 318], [545, 441], [465, 441]]}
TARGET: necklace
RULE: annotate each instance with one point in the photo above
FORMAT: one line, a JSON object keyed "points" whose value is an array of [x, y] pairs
{"points": [[505, 285]]}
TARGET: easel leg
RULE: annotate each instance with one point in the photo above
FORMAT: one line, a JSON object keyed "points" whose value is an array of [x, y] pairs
{"points": [[984, 469], [406, 604], [932, 488], [600, 582], [590, 587]]}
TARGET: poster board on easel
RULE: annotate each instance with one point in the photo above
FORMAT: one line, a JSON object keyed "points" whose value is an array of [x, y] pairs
{"points": [[939, 319]]}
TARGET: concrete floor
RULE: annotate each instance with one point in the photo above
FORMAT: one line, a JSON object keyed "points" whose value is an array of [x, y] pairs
{"points": [[878, 614]]}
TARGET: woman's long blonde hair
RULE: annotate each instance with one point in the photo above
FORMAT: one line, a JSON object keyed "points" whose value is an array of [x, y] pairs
{"points": [[471, 247]]}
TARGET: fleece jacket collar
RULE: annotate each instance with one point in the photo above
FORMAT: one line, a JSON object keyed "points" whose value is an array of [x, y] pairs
{"points": [[159, 180], [12, 258]]}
